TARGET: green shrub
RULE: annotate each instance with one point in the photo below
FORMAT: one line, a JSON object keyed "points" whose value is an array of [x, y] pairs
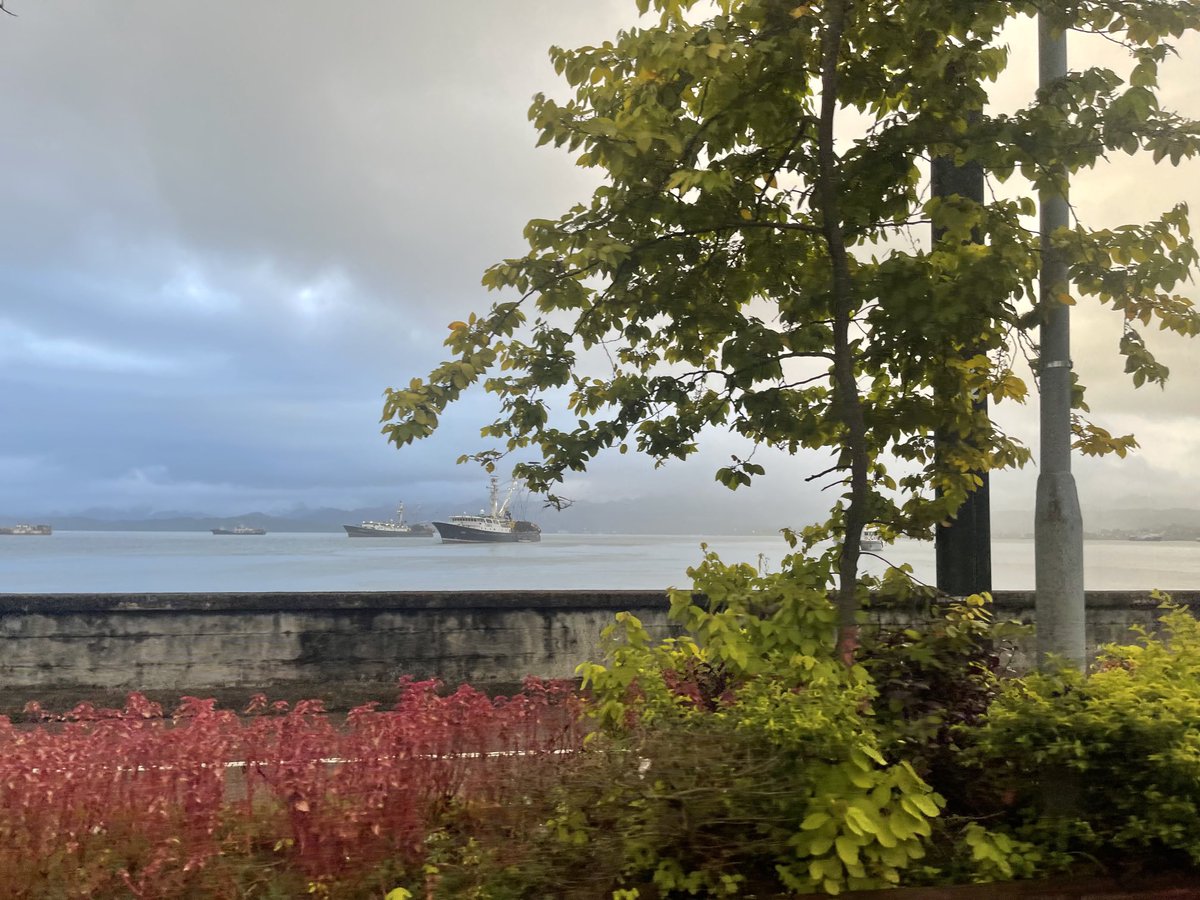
{"points": [[746, 750], [1107, 767], [747, 759], [935, 675], [936, 668]]}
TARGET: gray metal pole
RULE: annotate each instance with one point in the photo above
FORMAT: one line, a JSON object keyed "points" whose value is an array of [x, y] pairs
{"points": [[1058, 525]]}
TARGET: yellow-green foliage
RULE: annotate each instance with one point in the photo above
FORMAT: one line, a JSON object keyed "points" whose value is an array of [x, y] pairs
{"points": [[1107, 766], [750, 747], [754, 746], [706, 265]]}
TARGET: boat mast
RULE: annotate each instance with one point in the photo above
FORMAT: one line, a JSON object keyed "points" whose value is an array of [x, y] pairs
{"points": [[494, 493]]}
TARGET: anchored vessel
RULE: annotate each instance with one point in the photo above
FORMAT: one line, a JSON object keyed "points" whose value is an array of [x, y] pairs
{"points": [[392, 528], [871, 541], [240, 529], [492, 527], [25, 529]]}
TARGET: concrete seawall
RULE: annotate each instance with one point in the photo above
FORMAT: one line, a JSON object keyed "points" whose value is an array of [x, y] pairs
{"points": [[345, 647], [342, 647]]}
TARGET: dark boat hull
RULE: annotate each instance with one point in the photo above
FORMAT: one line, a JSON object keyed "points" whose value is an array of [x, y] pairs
{"points": [[527, 532], [521, 533], [457, 534], [368, 532]]}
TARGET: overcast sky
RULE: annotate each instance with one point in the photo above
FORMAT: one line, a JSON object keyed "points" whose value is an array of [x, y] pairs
{"points": [[226, 228]]}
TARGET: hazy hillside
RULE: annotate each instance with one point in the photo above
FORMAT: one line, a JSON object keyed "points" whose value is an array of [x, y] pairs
{"points": [[652, 515], [1177, 523]]}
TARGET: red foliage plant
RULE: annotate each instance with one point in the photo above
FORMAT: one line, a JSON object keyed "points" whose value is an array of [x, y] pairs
{"points": [[130, 801]]}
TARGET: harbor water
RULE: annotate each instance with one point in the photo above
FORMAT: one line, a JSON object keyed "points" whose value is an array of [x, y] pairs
{"points": [[187, 562]]}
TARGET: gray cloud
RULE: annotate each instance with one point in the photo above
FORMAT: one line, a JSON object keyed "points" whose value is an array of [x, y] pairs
{"points": [[228, 229]]}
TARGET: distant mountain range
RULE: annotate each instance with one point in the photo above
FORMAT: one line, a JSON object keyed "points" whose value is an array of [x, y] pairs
{"points": [[1173, 524], [659, 515]]}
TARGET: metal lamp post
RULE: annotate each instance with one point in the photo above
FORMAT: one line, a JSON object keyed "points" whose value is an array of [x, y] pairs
{"points": [[1058, 524]]}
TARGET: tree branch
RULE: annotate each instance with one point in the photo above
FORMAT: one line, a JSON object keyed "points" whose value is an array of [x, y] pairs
{"points": [[823, 473]]}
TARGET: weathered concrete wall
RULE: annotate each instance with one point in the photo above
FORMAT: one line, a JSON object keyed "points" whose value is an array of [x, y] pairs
{"points": [[81, 646], [1110, 616], [352, 644]]}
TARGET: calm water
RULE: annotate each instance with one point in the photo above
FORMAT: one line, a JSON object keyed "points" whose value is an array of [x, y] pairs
{"points": [[134, 561]]}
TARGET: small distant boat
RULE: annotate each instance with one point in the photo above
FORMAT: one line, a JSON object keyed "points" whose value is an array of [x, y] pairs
{"points": [[26, 529], [240, 529], [871, 541], [392, 528], [496, 526], [1145, 537]]}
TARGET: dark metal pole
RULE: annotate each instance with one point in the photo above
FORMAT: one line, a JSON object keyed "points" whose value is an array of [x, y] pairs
{"points": [[1058, 524], [963, 546]]}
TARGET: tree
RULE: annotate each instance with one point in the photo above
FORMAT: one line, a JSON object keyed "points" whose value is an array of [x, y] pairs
{"points": [[739, 265]]}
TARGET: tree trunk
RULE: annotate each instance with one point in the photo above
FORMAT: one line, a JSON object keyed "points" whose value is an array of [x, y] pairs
{"points": [[847, 401]]}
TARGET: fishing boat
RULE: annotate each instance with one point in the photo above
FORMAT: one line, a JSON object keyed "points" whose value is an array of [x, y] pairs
{"points": [[24, 528], [871, 541], [493, 526], [240, 529], [391, 528]]}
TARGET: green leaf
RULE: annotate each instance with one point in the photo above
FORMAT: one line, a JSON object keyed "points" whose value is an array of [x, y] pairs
{"points": [[813, 821], [847, 850]]}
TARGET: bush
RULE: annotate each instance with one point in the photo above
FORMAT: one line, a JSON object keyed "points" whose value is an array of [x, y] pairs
{"points": [[746, 758], [280, 802], [1102, 771], [750, 750], [935, 678]]}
